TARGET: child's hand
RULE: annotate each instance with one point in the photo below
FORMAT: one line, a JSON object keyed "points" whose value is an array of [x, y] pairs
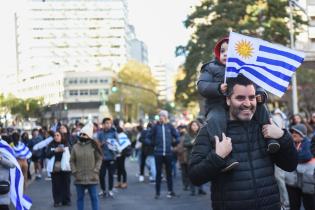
{"points": [[223, 88]]}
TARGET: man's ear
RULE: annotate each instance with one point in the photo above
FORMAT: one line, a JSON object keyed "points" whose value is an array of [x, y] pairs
{"points": [[228, 101]]}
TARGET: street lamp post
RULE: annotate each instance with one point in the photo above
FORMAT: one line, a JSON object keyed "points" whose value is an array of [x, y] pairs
{"points": [[294, 84]]}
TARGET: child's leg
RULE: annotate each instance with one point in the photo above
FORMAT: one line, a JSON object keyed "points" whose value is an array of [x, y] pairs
{"points": [[262, 115], [217, 123]]}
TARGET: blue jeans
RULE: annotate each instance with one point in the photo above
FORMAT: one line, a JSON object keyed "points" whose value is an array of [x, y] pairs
{"points": [[93, 196], [150, 162]]}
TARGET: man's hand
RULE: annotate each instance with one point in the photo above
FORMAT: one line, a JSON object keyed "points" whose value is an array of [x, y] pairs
{"points": [[224, 147], [272, 131], [223, 88]]}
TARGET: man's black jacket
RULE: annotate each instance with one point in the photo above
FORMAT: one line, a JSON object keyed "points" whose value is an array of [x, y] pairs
{"points": [[252, 185]]}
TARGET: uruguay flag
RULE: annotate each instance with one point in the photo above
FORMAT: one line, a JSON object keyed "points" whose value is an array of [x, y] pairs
{"points": [[268, 65], [20, 201]]}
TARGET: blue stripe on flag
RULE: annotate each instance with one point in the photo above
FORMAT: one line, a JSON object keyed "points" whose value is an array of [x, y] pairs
{"points": [[261, 77], [27, 198], [275, 73], [276, 63], [17, 150], [232, 69], [16, 187], [280, 52]]}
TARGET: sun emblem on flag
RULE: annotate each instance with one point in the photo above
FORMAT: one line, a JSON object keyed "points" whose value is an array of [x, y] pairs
{"points": [[244, 49]]}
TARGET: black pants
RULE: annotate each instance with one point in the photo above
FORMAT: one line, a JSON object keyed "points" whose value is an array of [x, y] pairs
{"points": [[159, 161], [121, 170], [107, 165], [296, 196], [61, 187], [142, 162], [185, 177]]}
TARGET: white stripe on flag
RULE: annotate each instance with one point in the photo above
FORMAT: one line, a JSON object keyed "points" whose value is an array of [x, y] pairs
{"points": [[280, 58], [263, 84], [263, 72]]}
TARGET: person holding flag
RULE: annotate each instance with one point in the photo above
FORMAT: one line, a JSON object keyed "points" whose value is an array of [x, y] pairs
{"points": [[212, 85], [20, 201]]}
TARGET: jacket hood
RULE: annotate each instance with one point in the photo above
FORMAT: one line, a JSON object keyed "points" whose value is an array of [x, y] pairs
{"points": [[217, 47]]}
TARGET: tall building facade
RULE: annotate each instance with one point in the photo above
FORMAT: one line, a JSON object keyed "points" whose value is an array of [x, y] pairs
{"points": [[165, 77], [69, 51], [306, 40]]}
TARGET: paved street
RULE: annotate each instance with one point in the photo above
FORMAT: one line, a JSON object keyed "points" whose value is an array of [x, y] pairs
{"points": [[138, 196]]}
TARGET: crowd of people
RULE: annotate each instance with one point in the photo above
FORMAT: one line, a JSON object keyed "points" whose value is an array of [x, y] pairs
{"points": [[94, 154]]}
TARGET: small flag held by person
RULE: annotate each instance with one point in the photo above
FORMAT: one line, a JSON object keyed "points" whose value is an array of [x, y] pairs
{"points": [[268, 65]]}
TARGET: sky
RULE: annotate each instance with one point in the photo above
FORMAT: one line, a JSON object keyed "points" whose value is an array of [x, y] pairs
{"points": [[158, 23]]}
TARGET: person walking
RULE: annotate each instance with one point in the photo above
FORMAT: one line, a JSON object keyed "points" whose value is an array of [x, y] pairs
{"points": [[58, 152], [252, 185], [147, 155], [193, 129], [22, 154], [121, 157], [86, 160], [107, 138], [163, 136], [303, 146]]}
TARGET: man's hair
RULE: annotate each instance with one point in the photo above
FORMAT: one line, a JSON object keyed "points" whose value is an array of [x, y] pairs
{"points": [[106, 119], [239, 80]]}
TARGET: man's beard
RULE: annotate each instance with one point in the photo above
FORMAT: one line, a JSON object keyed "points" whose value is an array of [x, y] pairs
{"points": [[239, 115]]}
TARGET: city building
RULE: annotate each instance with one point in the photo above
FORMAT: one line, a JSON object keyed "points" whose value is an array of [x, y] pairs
{"points": [[306, 40], [165, 77], [69, 51]]}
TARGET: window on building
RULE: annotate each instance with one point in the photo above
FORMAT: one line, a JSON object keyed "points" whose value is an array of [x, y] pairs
{"points": [[73, 92], [83, 81], [73, 81], [84, 92], [94, 92], [103, 81], [93, 81]]}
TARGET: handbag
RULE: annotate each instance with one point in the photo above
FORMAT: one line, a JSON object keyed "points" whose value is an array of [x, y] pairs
{"points": [[50, 164], [65, 160], [4, 187]]}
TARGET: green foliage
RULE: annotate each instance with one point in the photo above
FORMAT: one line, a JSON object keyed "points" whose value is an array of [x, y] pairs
{"points": [[22, 108], [135, 89], [266, 19]]}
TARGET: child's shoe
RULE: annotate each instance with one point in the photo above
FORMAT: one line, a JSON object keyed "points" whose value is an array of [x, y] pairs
{"points": [[273, 146]]}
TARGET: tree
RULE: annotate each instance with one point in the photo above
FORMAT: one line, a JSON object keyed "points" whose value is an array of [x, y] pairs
{"points": [[213, 19], [136, 90], [22, 108]]}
